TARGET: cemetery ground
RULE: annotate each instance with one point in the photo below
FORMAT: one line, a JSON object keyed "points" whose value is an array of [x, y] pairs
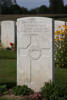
{"points": [[8, 71]]}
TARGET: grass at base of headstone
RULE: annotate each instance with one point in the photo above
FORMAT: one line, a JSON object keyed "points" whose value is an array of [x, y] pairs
{"points": [[61, 76], [8, 72], [7, 54]]}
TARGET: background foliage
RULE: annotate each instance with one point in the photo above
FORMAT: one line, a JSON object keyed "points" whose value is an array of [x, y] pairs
{"points": [[56, 6], [61, 47]]}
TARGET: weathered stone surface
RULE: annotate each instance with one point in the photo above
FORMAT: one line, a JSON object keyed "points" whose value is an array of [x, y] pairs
{"points": [[7, 33], [34, 51], [57, 24]]}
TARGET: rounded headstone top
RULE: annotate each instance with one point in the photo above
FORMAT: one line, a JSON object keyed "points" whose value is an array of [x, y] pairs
{"points": [[7, 21], [33, 18]]}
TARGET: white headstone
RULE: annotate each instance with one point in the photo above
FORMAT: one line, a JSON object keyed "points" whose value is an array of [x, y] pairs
{"points": [[58, 25], [7, 33], [34, 51]]}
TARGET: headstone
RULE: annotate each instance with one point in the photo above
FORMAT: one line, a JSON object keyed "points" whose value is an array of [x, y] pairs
{"points": [[7, 33], [58, 25], [34, 51]]}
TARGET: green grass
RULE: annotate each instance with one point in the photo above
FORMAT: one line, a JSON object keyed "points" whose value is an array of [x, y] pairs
{"points": [[7, 54], [61, 76], [7, 71], [8, 67]]}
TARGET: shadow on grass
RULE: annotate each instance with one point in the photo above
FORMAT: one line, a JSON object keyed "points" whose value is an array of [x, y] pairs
{"points": [[9, 84]]}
